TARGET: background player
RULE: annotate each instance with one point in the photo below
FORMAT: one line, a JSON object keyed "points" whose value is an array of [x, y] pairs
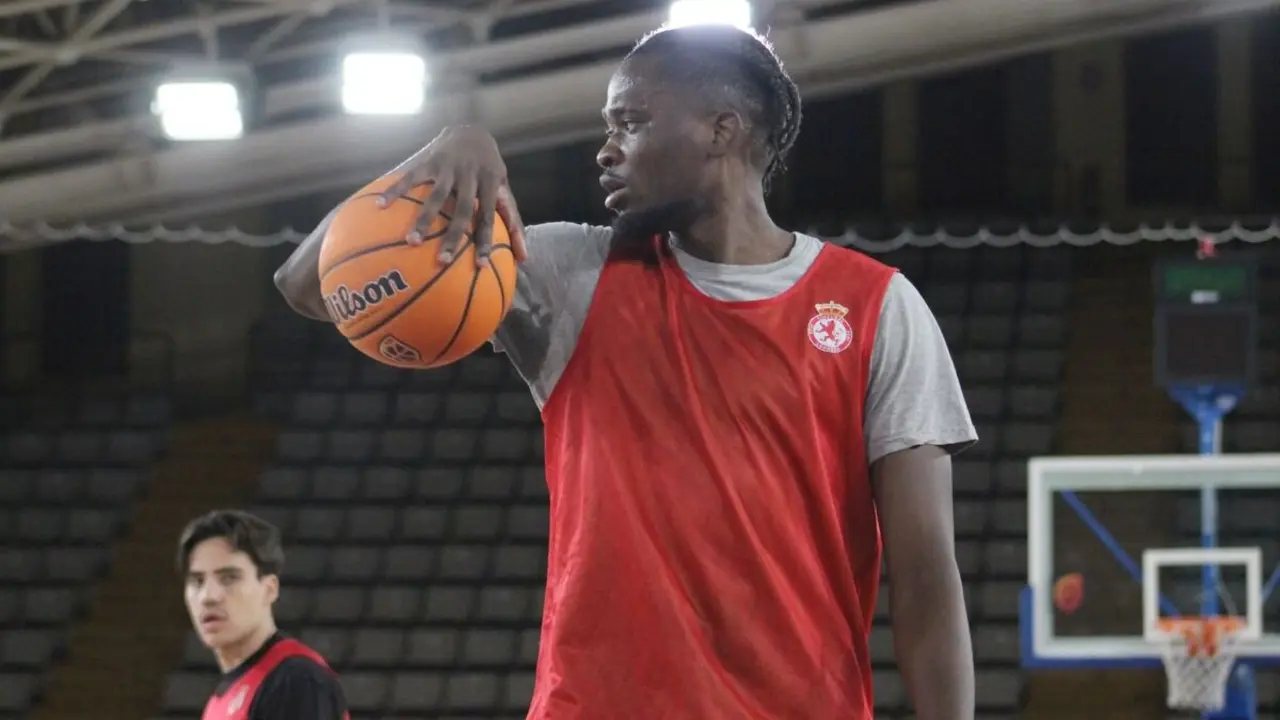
{"points": [[231, 561], [723, 460]]}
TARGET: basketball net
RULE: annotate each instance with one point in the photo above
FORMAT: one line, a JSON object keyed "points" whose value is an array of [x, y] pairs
{"points": [[1199, 653]]}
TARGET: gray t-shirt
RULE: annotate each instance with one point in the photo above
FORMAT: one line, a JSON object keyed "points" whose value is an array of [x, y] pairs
{"points": [[913, 398]]}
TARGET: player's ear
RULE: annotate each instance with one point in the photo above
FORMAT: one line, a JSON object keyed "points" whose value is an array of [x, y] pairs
{"points": [[272, 583], [727, 132]]}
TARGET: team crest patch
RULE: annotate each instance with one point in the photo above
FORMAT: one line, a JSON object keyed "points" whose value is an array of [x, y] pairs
{"points": [[828, 330]]}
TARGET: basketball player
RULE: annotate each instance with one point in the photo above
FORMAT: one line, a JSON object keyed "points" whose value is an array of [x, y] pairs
{"points": [[736, 416], [231, 562]]}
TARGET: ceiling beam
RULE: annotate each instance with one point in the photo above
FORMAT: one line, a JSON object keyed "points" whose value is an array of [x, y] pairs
{"points": [[96, 22], [14, 8], [827, 56]]}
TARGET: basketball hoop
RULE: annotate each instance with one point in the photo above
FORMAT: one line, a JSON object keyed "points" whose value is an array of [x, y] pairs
{"points": [[1199, 653]]}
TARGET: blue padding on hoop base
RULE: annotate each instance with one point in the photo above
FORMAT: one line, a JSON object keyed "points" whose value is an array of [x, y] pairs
{"points": [[1242, 697]]}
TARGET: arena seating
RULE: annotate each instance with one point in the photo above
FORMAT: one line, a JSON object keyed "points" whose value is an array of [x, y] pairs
{"points": [[1003, 313], [415, 511], [70, 468]]}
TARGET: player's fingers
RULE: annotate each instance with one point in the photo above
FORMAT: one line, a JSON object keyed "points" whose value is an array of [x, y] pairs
{"points": [[402, 185], [463, 210], [486, 209], [440, 189], [510, 214]]}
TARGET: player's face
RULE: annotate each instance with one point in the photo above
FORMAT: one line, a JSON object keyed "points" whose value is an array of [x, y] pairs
{"points": [[226, 598], [655, 161]]}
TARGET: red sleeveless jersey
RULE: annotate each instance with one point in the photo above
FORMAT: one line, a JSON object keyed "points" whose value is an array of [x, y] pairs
{"points": [[234, 704], [714, 549]]}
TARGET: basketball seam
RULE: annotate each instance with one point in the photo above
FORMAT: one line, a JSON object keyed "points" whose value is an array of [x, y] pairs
{"points": [[324, 273], [462, 321], [502, 290], [414, 298]]}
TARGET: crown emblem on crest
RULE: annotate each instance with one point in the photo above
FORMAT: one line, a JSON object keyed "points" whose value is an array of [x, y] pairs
{"points": [[830, 309]]}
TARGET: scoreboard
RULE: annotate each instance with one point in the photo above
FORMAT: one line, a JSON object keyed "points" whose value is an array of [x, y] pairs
{"points": [[1206, 321]]}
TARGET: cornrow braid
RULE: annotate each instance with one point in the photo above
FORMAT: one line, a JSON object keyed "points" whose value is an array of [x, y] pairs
{"points": [[742, 61]]}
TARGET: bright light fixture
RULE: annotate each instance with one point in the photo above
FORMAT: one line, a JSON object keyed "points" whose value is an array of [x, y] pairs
{"points": [[383, 82], [192, 110], [710, 12]]}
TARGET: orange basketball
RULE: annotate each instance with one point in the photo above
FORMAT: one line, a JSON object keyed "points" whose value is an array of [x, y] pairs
{"points": [[397, 303], [1068, 592]]}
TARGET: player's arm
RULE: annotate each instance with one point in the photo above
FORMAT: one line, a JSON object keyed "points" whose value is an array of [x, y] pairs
{"points": [[299, 688], [916, 418], [461, 161], [298, 279]]}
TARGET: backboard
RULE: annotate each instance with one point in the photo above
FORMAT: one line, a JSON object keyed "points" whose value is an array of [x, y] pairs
{"points": [[1152, 537]]}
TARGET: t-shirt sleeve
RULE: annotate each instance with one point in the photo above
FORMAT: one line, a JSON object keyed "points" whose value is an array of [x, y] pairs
{"points": [[299, 688], [554, 287], [913, 395]]}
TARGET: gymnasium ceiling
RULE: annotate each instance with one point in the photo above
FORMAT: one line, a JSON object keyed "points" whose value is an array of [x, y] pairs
{"points": [[78, 143]]}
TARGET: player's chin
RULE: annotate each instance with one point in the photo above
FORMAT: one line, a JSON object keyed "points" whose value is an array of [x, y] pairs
{"points": [[619, 203], [215, 636]]}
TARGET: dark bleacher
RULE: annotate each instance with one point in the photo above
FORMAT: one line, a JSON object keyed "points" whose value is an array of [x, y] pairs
{"points": [[1003, 311], [70, 469], [415, 508]]}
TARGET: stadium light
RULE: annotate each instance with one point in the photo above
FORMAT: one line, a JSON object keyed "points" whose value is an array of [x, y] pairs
{"points": [[200, 105], [710, 12], [384, 75]]}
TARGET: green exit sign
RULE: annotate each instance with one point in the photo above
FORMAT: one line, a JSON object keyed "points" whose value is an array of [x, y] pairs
{"points": [[1206, 282]]}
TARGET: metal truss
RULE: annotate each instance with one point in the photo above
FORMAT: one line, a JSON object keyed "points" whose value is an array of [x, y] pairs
{"points": [[45, 45], [88, 150]]}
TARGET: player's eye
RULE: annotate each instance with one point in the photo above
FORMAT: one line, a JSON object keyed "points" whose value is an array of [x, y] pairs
{"points": [[630, 127]]}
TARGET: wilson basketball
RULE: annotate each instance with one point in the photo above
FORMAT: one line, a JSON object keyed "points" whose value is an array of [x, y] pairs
{"points": [[397, 303]]}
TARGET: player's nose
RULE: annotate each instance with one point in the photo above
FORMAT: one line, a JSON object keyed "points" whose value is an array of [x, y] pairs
{"points": [[609, 156]]}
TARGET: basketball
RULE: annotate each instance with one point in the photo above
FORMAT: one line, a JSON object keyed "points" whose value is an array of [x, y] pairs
{"points": [[1068, 592], [396, 302]]}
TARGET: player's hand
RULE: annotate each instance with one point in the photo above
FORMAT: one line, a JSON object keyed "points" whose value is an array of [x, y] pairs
{"points": [[462, 162]]}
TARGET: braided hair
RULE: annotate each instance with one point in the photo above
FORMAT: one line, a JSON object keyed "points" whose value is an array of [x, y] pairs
{"points": [[741, 65]]}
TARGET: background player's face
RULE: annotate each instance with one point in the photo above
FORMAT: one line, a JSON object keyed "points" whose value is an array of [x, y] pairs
{"points": [[226, 598], [656, 163]]}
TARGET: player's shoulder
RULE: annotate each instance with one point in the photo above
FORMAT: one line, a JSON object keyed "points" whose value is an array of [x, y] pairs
{"points": [[299, 686], [301, 669], [308, 665], [856, 258], [561, 248], [555, 234]]}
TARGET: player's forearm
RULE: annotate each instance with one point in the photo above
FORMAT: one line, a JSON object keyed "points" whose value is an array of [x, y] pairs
{"points": [[931, 638], [298, 279]]}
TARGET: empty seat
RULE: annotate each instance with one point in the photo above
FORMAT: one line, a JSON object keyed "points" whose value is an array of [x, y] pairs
{"points": [[318, 408], [299, 446], [28, 649], [331, 483], [16, 689], [365, 408], [187, 692], [351, 447], [989, 331]]}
